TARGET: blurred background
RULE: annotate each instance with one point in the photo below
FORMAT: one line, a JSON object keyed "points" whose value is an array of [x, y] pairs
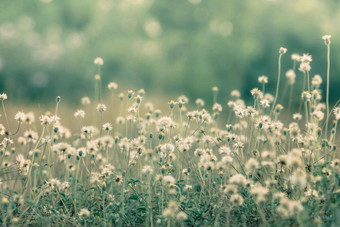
{"points": [[167, 47]]}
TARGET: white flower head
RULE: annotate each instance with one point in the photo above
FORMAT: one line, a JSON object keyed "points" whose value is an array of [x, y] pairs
{"points": [[263, 79], [327, 39], [98, 61], [20, 117], [79, 114], [101, 107], [112, 86], [282, 50], [295, 57], [3, 97]]}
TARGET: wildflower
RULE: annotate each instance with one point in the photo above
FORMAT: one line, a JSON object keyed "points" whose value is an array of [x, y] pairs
{"points": [[294, 159], [107, 127], [101, 108], [30, 118], [31, 135], [81, 152], [20, 117], [98, 61], [327, 39], [230, 189], [288, 208], [337, 113], [2, 130], [121, 96], [181, 216], [295, 57], [141, 92], [164, 123], [84, 213], [224, 150], [139, 99], [282, 50], [236, 200], [45, 120], [167, 148], [235, 94], [265, 103], [171, 210], [88, 131], [290, 75], [199, 102], [279, 195], [208, 165], [251, 165], [147, 170], [238, 179], [172, 104], [183, 99], [112, 86], [256, 93], [299, 178], [311, 192], [260, 193], [278, 108], [263, 79], [306, 96], [306, 58], [120, 120], [206, 117], [217, 107], [3, 97], [317, 80], [79, 114], [215, 89], [85, 101], [297, 116], [266, 155], [227, 159], [169, 180], [316, 95], [130, 94], [319, 115], [304, 67]]}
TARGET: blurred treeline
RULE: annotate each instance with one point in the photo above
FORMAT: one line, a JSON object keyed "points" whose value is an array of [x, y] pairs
{"points": [[164, 46]]}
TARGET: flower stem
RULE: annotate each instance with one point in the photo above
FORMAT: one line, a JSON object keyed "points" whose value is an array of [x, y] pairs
{"points": [[327, 94], [277, 84]]}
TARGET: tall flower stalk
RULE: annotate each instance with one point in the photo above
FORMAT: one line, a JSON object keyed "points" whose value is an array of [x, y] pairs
{"points": [[327, 40], [282, 51]]}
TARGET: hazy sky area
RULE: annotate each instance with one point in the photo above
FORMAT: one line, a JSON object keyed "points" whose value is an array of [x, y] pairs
{"points": [[170, 47]]}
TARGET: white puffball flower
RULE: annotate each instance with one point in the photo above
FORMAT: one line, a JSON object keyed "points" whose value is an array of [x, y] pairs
{"points": [[101, 107], [327, 39], [79, 114], [112, 86], [263, 79], [3, 97], [282, 50], [98, 61]]}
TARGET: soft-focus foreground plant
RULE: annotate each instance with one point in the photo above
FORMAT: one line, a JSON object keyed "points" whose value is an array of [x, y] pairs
{"points": [[176, 169]]}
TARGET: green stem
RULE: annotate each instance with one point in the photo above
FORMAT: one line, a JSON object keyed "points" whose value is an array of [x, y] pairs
{"points": [[277, 84], [327, 97], [4, 109]]}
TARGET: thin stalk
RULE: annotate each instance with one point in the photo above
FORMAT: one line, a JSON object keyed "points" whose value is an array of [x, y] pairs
{"points": [[327, 94], [277, 84], [4, 109]]}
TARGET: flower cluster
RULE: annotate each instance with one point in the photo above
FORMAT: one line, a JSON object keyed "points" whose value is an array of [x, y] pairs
{"points": [[126, 163]]}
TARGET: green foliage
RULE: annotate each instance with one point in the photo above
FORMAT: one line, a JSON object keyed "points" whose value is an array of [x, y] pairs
{"points": [[47, 49]]}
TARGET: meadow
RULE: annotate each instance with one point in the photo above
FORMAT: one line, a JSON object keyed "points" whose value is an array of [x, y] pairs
{"points": [[127, 163]]}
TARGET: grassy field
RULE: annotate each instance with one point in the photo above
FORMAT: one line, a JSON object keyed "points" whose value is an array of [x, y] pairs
{"points": [[121, 161]]}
